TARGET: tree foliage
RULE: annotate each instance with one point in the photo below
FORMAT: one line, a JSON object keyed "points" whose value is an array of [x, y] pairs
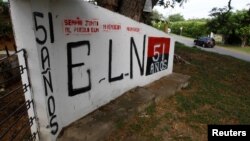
{"points": [[5, 24], [241, 21], [169, 3], [156, 16], [176, 18], [134, 8], [190, 28], [3, 8], [219, 22], [231, 25]]}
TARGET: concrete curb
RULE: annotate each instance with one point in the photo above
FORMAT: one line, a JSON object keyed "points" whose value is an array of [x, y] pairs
{"points": [[99, 124]]}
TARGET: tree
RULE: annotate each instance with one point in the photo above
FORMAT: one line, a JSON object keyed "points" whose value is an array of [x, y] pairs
{"points": [[5, 24], [222, 23], [219, 22], [231, 25], [176, 18], [156, 16], [158, 21], [190, 28], [242, 25], [134, 8], [4, 10]]}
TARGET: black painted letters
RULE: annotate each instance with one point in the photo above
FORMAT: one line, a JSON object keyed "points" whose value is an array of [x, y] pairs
{"points": [[141, 65], [46, 72], [75, 91], [112, 79]]}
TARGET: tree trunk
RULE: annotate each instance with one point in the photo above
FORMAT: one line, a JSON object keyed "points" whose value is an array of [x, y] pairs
{"points": [[129, 8], [224, 39], [243, 41], [132, 8]]}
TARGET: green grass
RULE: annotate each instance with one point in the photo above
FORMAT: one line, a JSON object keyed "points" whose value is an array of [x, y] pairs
{"points": [[222, 84], [218, 93], [120, 123], [150, 110], [237, 48]]}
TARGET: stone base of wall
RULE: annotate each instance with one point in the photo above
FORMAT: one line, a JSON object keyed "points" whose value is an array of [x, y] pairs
{"points": [[101, 123]]}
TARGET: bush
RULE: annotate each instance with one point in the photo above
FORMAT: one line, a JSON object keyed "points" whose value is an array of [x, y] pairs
{"points": [[159, 25], [189, 28]]}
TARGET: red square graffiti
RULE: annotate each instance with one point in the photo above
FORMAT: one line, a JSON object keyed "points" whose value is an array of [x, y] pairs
{"points": [[158, 54]]}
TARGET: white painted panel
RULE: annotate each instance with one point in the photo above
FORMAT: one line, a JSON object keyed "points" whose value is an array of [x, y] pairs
{"points": [[81, 40]]}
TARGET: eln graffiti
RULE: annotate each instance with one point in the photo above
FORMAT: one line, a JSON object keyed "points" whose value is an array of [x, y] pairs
{"points": [[158, 54], [82, 56], [157, 60], [154, 60]]}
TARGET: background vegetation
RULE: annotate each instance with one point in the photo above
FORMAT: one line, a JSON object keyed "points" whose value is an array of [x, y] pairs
{"points": [[190, 28], [5, 23], [233, 26]]}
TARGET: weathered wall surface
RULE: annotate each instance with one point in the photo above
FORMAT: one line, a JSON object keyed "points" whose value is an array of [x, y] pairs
{"points": [[82, 56]]}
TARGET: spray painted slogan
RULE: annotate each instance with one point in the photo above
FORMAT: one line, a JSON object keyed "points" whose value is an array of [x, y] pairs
{"points": [[158, 50], [43, 43], [77, 26], [157, 60], [157, 55]]}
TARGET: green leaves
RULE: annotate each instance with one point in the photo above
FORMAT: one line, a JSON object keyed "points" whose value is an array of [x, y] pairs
{"points": [[190, 28], [168, 3], [230, 23], [5, 24], [244, 30], [176, 18]]}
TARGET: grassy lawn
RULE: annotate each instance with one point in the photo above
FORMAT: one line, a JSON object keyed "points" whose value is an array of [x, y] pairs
{"points": [[237, 48], [219, 93]]}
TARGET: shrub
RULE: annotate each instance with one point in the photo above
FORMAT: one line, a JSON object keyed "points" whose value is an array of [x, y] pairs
{"points": [[189, 28]]}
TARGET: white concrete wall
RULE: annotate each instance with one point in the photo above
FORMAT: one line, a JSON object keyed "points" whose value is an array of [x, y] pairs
{"points": [[82, 56]]}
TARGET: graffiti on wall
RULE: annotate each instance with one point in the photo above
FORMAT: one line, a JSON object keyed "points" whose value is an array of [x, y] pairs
{"points": [[46, 65], [80, 26], [155, 60], [75, 91], [111, 27], [158, 54]]}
